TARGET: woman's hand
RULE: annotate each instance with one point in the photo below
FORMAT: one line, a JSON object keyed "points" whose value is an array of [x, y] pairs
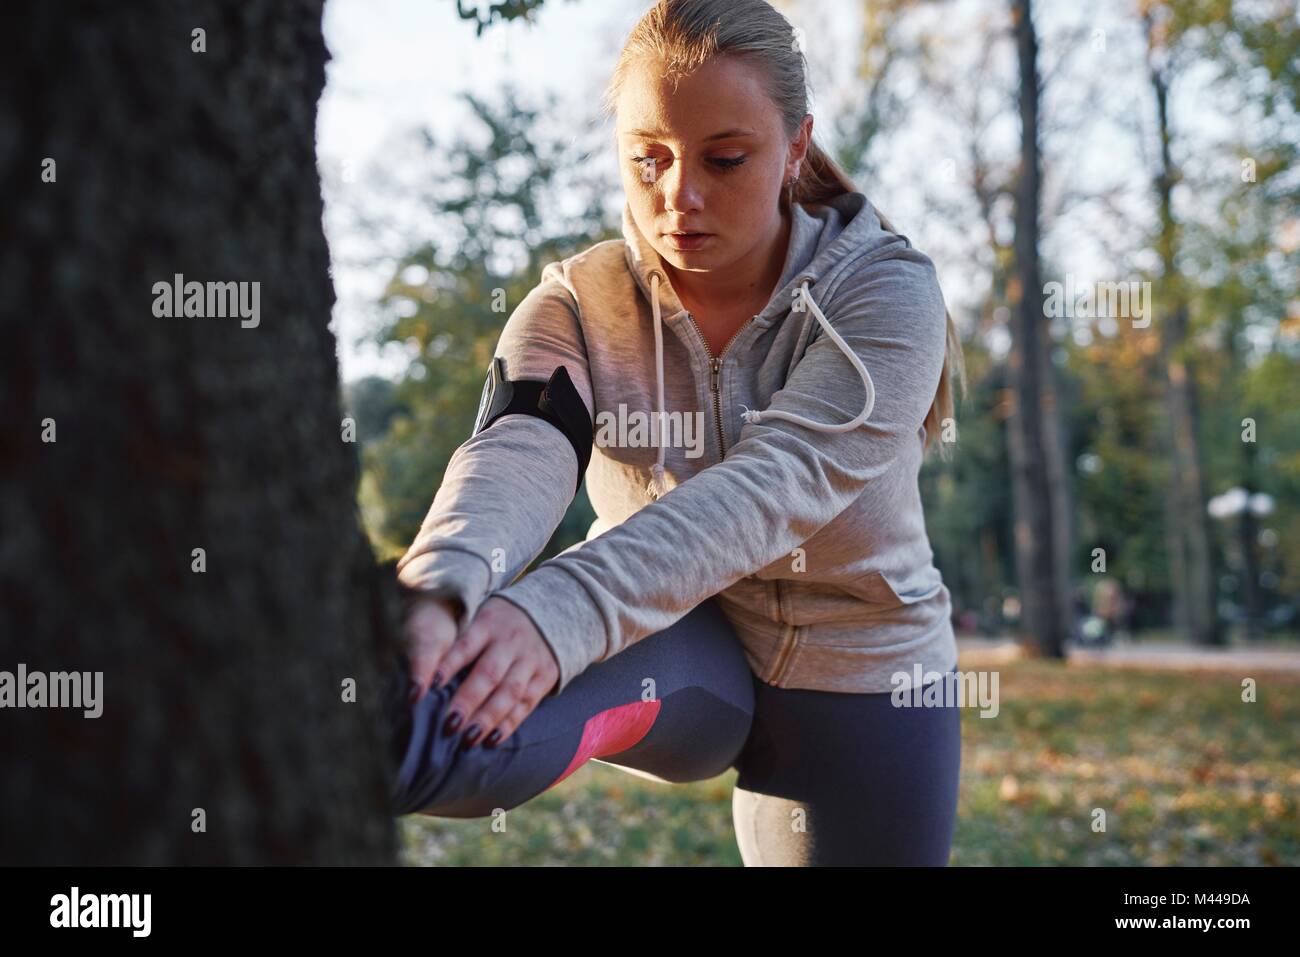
{"points": [[514, 669]]}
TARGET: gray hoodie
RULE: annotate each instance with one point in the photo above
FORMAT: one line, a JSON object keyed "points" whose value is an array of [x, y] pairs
{"points": [[804, 518]]}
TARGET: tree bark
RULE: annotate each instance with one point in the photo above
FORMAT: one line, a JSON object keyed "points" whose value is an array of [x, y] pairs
{"points": [[225, 734]]}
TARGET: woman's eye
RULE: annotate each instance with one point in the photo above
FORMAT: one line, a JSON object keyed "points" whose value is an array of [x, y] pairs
{"points": [[721, 162], [728, 162]]}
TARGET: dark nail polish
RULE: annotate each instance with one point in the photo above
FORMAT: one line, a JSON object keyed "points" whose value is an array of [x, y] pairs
{"points": [[452, 723], [492, 739], [471, 735], [413, 692], [437, 680]]}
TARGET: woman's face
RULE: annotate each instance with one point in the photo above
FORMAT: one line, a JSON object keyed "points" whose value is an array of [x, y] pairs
{"points": [[709, 158]]}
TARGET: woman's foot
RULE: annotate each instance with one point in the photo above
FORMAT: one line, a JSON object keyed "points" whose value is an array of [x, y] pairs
{"points": [[434, 762]]}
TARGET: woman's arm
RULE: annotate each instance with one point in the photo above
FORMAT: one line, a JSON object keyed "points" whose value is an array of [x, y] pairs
{"points": [[507, 488]]}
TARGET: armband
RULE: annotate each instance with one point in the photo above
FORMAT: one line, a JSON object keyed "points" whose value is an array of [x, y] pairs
{"points": [[555, 400]]}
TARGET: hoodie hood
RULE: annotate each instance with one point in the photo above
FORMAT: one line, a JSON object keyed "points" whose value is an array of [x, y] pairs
{"points": [[820, 241]]}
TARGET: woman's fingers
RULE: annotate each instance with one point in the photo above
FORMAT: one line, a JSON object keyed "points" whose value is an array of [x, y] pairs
{"points": [[537, 689], [430, 631], [514, 690], [465, 649], [491, 668]]}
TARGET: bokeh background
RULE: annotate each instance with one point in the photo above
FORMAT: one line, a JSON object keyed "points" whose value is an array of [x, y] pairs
{"points": [[1149, 660]]}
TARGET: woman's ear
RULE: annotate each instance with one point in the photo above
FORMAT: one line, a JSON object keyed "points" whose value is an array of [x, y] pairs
{"points": [[799, 147]]}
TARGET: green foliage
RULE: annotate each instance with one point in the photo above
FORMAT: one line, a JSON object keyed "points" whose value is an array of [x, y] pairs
{"points": [[1119, 427], [1245, 264], [373, 402], [968, 500], [484, 14]]}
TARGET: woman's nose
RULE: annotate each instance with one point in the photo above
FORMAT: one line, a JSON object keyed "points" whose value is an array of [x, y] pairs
{"points": [[680, 190]]}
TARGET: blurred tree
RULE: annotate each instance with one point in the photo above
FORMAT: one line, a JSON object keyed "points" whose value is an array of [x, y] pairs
{"points": [[1245, 257], [372, 401], [909, 57], [500, 10], [1045, 609], [1191, 558]]}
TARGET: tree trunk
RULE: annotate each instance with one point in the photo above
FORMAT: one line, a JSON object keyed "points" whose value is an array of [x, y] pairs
{"points": [[1248, 536], [1035, 547], [226, 735], [1195, 588], [1176, 548], [1247, 527], [1186, 473], [1056, 445]]}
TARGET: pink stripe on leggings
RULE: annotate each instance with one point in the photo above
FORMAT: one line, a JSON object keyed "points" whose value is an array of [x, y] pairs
{"points": [[612, 731]]}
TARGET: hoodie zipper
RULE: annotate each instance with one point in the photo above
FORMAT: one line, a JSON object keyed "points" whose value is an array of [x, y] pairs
{"points": [[715, 365], [787, 647], [783, 658]]}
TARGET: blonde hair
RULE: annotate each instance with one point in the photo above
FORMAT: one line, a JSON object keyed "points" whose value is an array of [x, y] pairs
{"points": [[682, 35]]}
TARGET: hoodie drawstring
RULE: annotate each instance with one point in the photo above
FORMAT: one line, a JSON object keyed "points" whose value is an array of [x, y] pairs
{"points": [[754, 415], [658, 486]]}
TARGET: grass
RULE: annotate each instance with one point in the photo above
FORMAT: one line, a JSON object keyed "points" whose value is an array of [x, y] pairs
{"points": [[1184, 771]]}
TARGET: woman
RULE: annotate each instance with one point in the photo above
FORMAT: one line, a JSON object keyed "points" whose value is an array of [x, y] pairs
{"points": [[759, 570]]}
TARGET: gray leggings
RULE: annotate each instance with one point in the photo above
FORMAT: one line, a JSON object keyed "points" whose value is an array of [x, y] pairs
{"points": [[825, 778]]}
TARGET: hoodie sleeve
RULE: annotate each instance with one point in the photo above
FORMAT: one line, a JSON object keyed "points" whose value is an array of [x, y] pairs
{"points": [[776, 487], [505, 489]]}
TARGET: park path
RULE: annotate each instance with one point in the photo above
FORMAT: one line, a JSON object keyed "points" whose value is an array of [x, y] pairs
{"points": [[1177, 657]]}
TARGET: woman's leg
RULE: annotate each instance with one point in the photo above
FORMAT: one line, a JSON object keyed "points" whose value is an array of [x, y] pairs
{"points": [[675, 706], [834, 779]]}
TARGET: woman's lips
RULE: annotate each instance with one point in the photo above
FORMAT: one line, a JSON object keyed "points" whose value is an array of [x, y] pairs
{"points": [[688, 241]]}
